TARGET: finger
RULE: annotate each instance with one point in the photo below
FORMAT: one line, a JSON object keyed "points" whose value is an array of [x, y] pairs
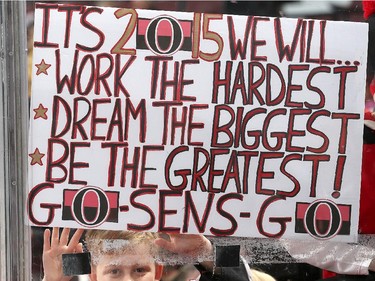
{"points": [[64, 236], [46, 240], [164, 235], [162, 243], [180, 235], [55, 237], [175, 237], [79, 248], [75, 238]]}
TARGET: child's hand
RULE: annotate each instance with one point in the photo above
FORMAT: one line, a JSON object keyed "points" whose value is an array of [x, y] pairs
{"points": [[54, 247], [191, 245]]}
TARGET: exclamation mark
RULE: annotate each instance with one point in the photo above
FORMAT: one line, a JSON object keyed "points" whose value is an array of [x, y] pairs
{"points": [[338, 176]]}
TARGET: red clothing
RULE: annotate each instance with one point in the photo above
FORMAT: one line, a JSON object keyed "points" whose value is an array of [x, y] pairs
{"points": [[368, 8], [328, 274], [367, 203]]}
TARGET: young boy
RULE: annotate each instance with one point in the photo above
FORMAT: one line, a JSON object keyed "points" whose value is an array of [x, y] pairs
{"points": [[116, 255], [134, 256], [123, 255]]}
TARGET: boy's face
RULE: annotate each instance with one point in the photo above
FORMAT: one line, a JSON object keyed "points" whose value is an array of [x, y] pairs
{"points": [[134, 265]]}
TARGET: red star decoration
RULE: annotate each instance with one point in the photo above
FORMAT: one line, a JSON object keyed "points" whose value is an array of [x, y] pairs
{"points": [[40, 112], [36, 157], [42, 67]]}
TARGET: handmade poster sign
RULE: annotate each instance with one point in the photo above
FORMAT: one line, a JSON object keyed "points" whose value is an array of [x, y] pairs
{"points": [[196, 123]]}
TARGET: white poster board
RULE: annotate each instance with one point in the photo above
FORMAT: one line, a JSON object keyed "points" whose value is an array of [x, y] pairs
{"points": [[196, 123]]}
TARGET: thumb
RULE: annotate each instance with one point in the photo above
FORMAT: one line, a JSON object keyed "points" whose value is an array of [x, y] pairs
{"points": [[162, 243]]}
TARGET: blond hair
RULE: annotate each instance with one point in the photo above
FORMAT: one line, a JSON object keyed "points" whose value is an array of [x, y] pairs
{"points": [[110, 242], [125, 235]]}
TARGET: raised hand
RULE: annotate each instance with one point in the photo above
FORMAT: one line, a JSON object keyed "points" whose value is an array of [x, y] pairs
{"points": [[194, 246], [190, 245], [53, 248]]}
